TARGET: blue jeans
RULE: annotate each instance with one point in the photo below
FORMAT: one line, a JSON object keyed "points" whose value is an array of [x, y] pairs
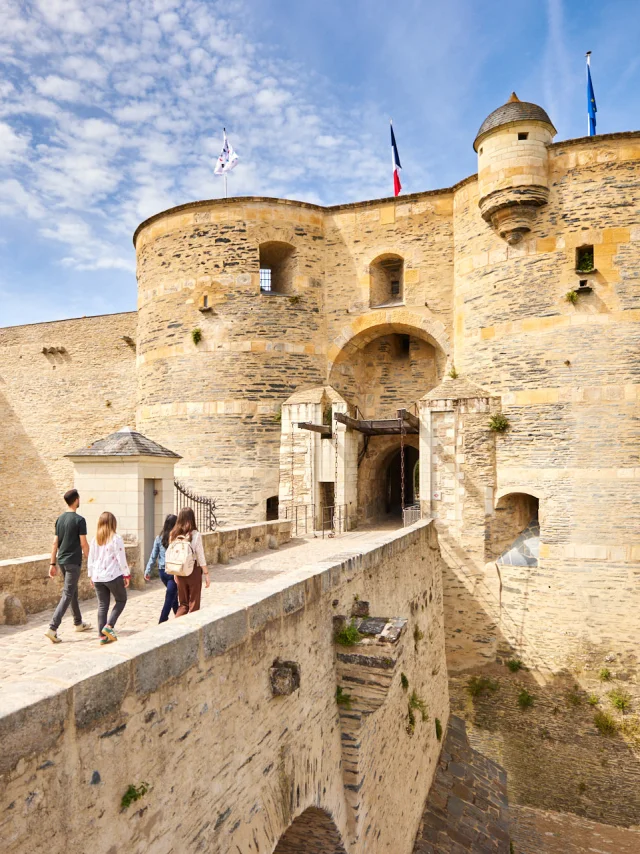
{"points": [[171, 596]]}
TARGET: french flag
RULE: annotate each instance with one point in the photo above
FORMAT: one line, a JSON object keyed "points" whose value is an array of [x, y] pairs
{"points": [[397, 186]]}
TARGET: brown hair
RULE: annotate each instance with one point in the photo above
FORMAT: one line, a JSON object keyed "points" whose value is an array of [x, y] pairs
{"points": [[185, 524], [70, 496], [106, 528]]}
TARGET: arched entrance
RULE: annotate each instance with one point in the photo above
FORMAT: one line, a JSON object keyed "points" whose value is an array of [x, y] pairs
{"points": [[379, 477], [313, 832]]}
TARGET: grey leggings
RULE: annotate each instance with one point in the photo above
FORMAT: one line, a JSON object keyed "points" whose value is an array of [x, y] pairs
{"points": [[104, 589]]}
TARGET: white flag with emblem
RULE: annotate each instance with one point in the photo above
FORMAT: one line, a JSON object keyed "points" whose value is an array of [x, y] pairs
{"points": [[228, 158]]}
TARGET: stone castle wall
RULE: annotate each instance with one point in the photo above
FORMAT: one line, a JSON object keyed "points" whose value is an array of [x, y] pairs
{"points": [[217, 403], [187, 708], [52, 403]]}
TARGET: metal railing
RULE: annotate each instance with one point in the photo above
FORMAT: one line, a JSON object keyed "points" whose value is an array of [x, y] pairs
{"points": [[302, 518], [410, 515], [203, 507], [308, 519]]}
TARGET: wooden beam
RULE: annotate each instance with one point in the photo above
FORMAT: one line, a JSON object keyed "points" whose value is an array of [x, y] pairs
{"points": [[376, 427], [409, 418], [323, 429]]}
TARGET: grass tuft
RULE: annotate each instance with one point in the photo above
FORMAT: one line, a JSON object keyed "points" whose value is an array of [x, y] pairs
{"points": [[133, 794], [620, 700], [348, 635], [571, 296], [514, 664], [343, 699], [419, 705], [525, 699], [438, 729], [478, 685], [196, 335], [404, 681], [499, 423], [605, 723], [604, 675]]}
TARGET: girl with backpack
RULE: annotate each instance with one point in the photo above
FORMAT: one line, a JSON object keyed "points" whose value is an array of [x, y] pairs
{"points": [[158, 553], [109, 574], [185, 559]]}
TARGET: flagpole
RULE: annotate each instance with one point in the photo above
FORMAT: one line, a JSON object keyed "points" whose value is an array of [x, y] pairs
{"points": [[588, 55], [225, 186]]}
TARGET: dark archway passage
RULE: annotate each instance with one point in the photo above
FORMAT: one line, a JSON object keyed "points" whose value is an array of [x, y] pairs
{"points": [[393, 503], [313, 832]]}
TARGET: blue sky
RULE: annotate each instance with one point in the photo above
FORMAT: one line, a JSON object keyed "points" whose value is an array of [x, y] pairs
{"points": [[112, 110]]}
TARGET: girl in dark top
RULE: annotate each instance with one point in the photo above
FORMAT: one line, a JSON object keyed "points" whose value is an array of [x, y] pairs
{"points": [[158, 556]]}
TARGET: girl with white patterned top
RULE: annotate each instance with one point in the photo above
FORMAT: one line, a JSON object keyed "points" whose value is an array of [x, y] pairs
{"points": [[109, 574]]}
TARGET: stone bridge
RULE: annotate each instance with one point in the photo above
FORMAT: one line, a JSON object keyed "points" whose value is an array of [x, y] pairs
{"points": [[245, 727]]}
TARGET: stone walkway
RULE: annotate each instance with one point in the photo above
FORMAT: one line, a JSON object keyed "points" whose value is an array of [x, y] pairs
{"points": [[24, 651]]}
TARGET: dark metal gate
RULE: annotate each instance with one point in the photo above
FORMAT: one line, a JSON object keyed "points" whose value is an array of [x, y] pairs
{"points": [[203, 507]]}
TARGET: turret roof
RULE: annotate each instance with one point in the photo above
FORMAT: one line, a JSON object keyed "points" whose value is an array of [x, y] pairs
{"points": [[514, 110], [125, 443]]}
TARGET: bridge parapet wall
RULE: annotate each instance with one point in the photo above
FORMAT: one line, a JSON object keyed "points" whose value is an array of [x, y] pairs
{"points": [[187, 708]]}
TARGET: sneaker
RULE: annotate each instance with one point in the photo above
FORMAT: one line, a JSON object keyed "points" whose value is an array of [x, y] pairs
{"points": [[104, 641], [109, 633], [83, 627], [53, 636]]}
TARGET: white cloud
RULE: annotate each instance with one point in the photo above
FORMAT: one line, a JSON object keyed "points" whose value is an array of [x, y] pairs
{"points": [[14, 199], [12, 145], [126, 103], [59, 88]]}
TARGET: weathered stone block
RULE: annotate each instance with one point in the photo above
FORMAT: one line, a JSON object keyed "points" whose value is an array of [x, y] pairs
{"points": [[284, 677]]}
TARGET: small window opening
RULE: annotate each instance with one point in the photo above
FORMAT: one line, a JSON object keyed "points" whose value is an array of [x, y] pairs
{"points": [[265, 279], [277, 268], [584, 259], [523, 136], [272, 508], [402, 346], [583, 283], [386, 276], [205, 301]]}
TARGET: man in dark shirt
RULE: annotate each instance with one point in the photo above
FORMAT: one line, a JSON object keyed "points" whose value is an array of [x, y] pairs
{"points": [[69, 544]]}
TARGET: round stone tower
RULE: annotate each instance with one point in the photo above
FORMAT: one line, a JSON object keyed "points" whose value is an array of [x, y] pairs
{"points": [[513, 166], [230, 319]]}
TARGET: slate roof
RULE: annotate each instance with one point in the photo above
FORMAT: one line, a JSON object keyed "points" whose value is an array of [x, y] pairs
{"points": [[514, 110], [458, 389], [125, 443]]}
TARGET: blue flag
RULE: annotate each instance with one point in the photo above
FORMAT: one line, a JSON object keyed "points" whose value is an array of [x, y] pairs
{"points": [[591, 104]]}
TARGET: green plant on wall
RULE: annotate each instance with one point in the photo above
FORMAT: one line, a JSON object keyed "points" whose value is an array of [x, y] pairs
{"points": [[605, 723], [438, 729], [404, 682], [196, 335], [348, 635], [514, 664], [604, 675], [133, 794], [584, 259], [295, 299], [453, 373], [478, 685], [620, 700], [571, 296], [343, 699], [525, 699], [418, 705], [499, 423]]}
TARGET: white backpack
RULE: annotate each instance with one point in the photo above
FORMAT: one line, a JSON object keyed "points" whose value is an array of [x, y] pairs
{"points": [[180, 557]]}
